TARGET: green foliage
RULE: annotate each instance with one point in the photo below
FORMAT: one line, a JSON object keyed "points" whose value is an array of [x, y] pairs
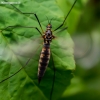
{"points": [[19, 44], [73, 18]]}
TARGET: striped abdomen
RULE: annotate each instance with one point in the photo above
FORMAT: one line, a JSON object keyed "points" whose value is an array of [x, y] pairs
{"points": [[43, 61]]}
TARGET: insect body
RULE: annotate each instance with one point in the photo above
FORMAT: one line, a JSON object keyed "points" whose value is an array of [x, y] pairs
{"points": [[45, 53]]}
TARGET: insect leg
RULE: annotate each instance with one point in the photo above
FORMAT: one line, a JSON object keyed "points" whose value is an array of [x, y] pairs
{"points": [[66, 16], [23, 66], [61, 30], [28, 13], [53, 77], [21, 27], [16, 72]]}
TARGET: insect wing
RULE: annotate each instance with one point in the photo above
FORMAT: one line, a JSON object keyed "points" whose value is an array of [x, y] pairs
{"points": [[62, 49], [62, 60], [13, 57]]}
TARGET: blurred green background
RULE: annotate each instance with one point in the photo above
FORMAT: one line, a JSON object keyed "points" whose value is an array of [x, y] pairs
{"points": [[84, 26]]}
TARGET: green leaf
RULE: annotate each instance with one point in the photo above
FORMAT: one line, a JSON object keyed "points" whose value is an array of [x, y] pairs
{"points": [[19, 44]]}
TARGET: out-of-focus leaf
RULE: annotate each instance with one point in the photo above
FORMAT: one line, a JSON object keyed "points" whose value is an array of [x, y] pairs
{"points": [[74, 16]]}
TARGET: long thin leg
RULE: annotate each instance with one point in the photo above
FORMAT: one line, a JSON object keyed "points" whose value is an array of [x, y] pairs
{"points": [[66, 16], [28, 13], [20, 68], [61, 30], [16, 72], [21, 27], [53, 77]]}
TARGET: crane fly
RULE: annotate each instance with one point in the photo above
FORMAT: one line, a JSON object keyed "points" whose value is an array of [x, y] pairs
{"points": [[47, 36]]}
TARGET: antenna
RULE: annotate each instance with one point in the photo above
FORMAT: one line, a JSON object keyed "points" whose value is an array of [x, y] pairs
{"points": [[51, 20], [47, 19]]}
